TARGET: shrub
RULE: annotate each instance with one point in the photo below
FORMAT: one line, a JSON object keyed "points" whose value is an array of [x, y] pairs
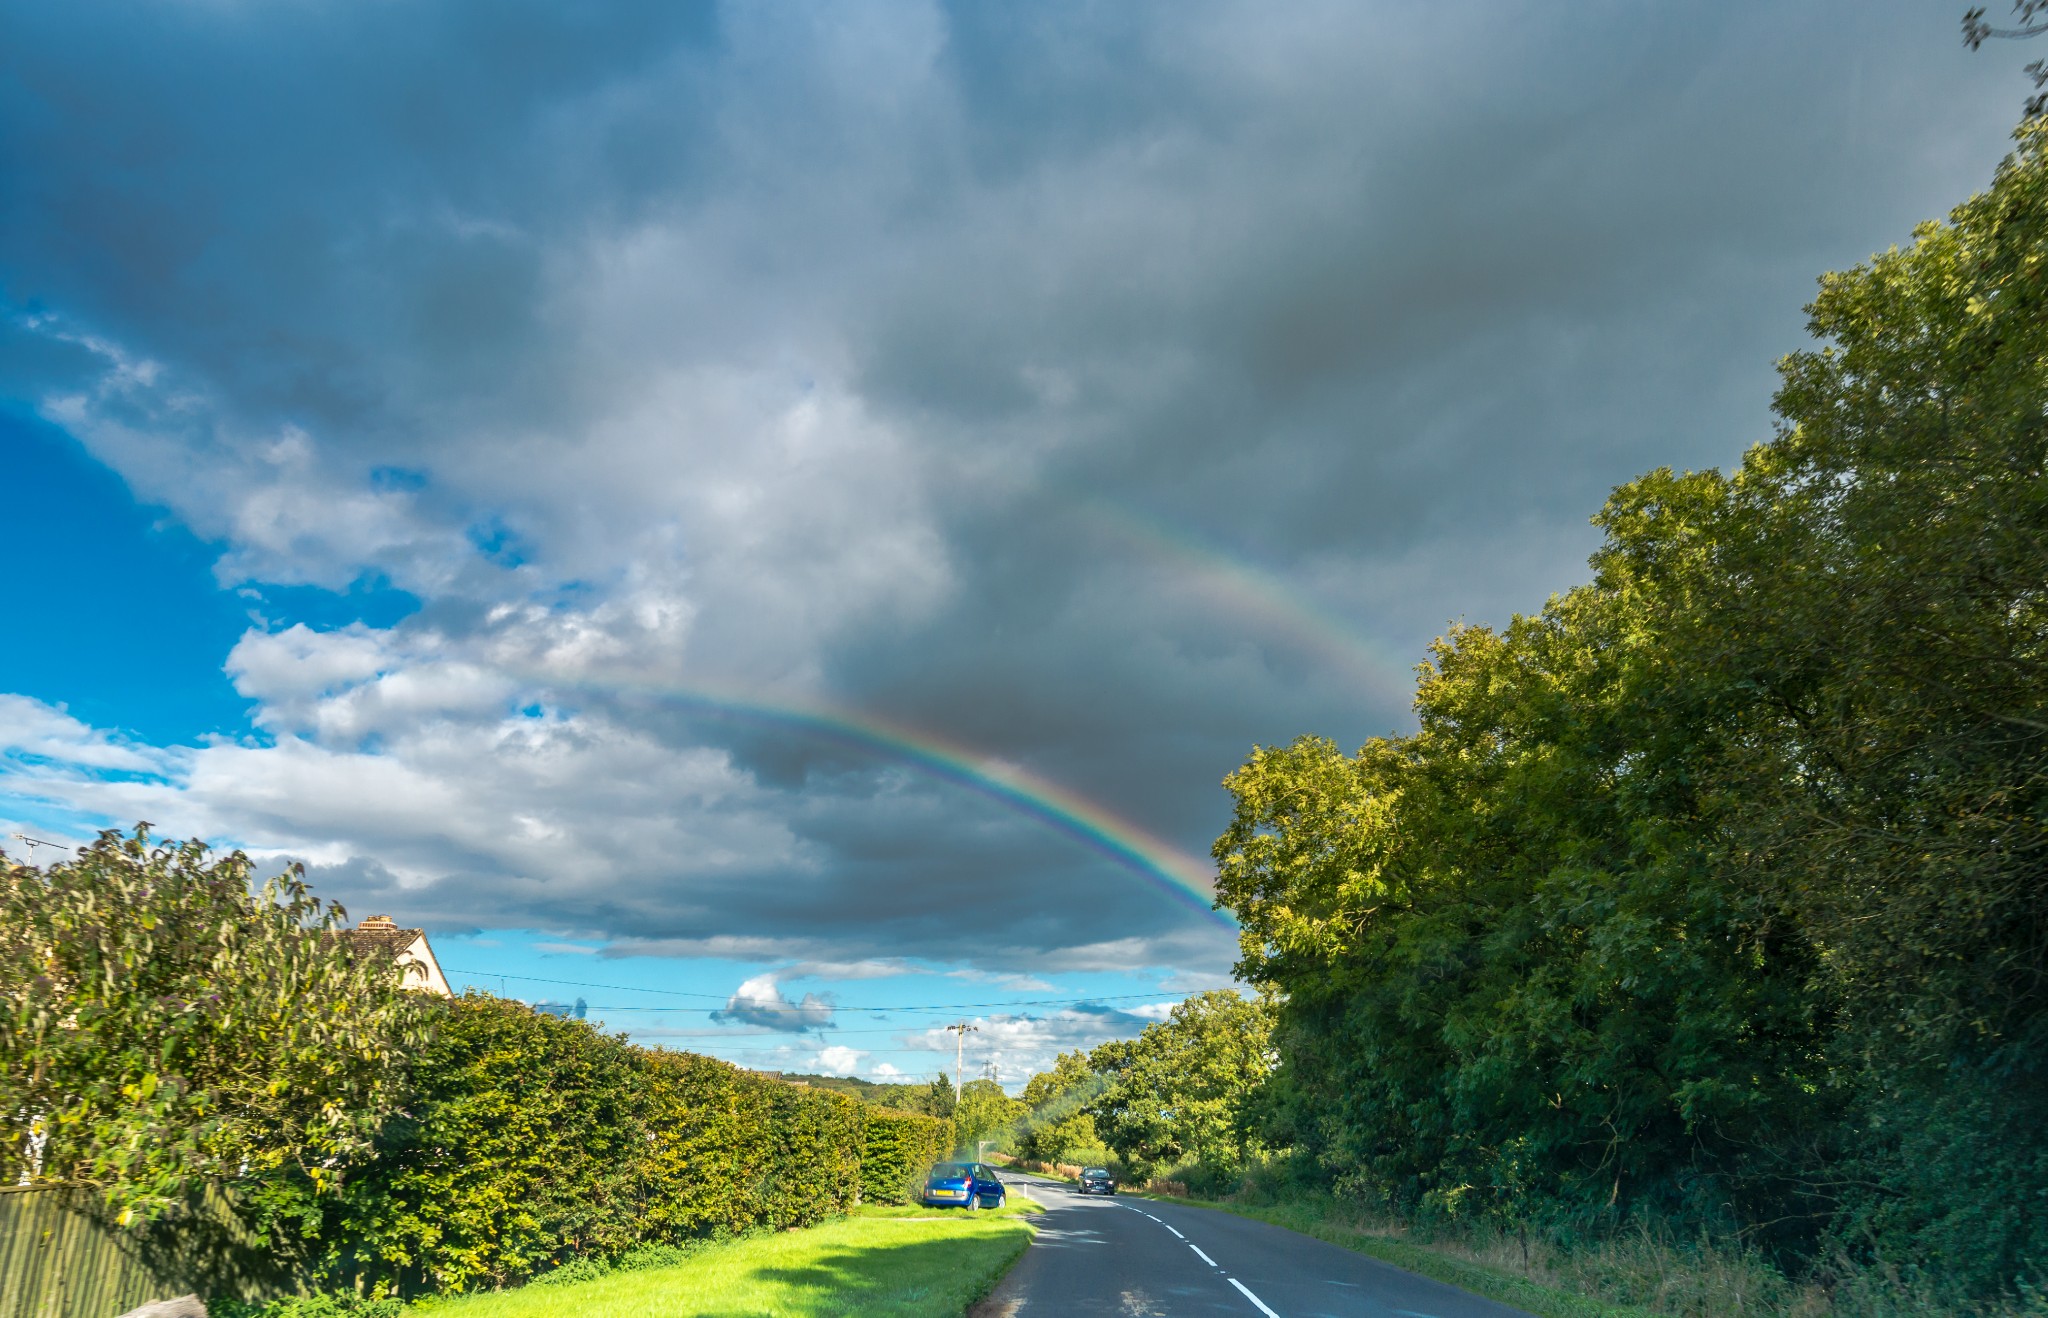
{"points": [[897, 1151], [532, 1141], [164, 1025]]}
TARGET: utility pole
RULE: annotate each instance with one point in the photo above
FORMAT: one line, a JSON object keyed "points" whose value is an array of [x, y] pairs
{"points": [[960, 1033]]}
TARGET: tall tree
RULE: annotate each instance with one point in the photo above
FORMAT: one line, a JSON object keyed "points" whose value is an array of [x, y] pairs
{"points": [[162, 1023], [1058, 1125], [1177, 1093], [1716, 889], [985, 1113]]}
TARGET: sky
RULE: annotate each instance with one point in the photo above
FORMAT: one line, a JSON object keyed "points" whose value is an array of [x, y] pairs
{"points": [[776, 520]]}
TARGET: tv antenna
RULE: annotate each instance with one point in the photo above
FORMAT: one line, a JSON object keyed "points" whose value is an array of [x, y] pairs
{"points": [[33, 842]]}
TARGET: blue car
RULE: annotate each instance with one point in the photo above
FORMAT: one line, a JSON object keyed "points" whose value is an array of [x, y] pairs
{"points": [[967, 1185]]}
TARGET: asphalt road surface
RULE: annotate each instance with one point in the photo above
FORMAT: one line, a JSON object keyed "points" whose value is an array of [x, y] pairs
{"points": [[1139, 1258]]}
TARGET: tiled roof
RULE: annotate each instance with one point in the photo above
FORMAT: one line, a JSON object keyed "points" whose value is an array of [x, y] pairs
{"points": [[388, 939], [378, 934]]}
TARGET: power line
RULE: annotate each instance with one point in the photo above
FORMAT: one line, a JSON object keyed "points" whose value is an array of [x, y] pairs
{"points": [[797, 1009], [836, 1006], [579, 983], [822, 1036]]}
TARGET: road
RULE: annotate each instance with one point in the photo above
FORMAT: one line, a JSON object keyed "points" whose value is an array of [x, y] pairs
{"points": [[1140, 1258]]}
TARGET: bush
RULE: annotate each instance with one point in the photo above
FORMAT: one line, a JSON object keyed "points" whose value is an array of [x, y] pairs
{"points": [[535, 1145], [898, 1149], [163, 1025]]}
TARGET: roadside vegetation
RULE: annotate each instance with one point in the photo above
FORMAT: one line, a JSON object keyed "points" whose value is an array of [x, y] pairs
{"points": [[1693, 953], [169, 1029]]}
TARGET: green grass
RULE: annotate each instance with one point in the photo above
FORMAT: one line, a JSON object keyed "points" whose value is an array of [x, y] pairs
{"points": [[898, 1262]]}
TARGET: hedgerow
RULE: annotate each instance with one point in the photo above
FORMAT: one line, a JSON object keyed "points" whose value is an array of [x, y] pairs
{"points": [[898, 1150], [531, 1140]]}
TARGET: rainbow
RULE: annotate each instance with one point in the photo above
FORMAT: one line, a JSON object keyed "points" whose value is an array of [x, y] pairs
{"points": [[1188, 881], [1258, 592]]}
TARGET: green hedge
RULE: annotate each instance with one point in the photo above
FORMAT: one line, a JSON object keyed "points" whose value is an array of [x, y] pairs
{"points": [[899, 1149], [530, 1140]]}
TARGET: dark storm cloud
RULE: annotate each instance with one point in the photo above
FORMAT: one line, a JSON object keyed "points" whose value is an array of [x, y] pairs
{"points": [[918, 873], [1104, 389]]}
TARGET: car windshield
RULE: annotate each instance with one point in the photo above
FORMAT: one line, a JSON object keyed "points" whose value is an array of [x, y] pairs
{"points": [[949, 1171], [1095, 1171]]}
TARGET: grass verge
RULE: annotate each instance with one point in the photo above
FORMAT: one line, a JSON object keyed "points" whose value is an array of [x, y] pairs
{"points": [[896, 1262]]}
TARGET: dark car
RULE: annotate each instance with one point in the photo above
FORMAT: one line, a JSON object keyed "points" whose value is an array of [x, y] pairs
{"points": [[967, 1185], [1094, 1180]]}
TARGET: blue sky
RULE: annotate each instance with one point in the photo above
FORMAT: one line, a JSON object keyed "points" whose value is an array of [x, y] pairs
{"points": [[885, 1021], [482, 450], [103, 562]]}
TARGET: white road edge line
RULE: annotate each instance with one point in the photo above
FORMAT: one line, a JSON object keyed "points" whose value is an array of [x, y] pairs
{"points": [[1253, 1298], [1200, 1255]]}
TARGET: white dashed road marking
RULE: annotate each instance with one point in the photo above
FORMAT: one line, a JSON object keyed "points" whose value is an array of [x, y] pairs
{"points": [[1243, 1289], [1253, 1298]]}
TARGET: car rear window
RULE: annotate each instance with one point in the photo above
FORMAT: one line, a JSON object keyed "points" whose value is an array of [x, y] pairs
{"points": [[948, 1171]]}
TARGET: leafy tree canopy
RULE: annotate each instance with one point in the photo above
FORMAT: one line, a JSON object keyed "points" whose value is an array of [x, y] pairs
{"points": [[985, 1113], [1177, 1093], [162, 1023], [1714, 890], [1059, 1125]]}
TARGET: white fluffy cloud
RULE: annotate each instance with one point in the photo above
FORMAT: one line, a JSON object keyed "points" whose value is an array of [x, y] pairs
{"points": [[40, 739], [838, 1059], [1019, 1046], [760, 1002]]}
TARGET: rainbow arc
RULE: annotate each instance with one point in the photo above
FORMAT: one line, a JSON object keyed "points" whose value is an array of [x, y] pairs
{"points": [[1186, 880]]}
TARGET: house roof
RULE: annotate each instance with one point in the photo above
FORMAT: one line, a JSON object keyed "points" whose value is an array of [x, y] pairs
{"points": [[379, 934]]}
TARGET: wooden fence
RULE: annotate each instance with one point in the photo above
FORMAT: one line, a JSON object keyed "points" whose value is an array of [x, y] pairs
{"points": [[62, 1257]]}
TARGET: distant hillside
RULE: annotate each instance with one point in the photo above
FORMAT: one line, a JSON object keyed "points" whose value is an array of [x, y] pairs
{"points": [[923, 1096]]}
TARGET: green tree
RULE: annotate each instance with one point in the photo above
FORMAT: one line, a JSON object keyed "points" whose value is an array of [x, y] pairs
{"points": [[1178, 1093], [939, 1098], [1714, 891], [1874, 579], [985, 1113], [1057, 1125], [162, 1024], [1514, 975]]}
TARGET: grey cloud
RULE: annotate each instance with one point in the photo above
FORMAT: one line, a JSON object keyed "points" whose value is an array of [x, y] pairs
{"points": [[767, 350]]}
